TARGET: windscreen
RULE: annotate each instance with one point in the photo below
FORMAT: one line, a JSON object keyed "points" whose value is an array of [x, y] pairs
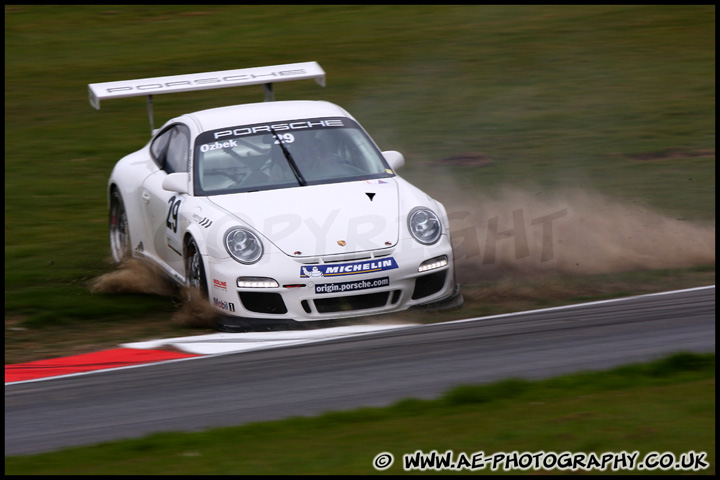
{"points": [[284, 155]]}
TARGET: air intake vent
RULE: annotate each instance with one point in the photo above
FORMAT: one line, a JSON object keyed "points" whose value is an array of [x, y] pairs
{"points": [[354, 302]]}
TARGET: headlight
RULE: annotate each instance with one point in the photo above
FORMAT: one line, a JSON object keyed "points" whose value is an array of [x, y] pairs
{"points": [[243, 245], [424, 226]]}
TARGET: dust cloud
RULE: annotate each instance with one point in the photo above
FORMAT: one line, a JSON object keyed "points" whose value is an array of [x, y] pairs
{"points": [[195, 310], [134, 276], [137, 276], [568, 231]]}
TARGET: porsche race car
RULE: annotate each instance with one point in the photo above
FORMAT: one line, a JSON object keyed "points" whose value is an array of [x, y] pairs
{"points": [[277, 210]]}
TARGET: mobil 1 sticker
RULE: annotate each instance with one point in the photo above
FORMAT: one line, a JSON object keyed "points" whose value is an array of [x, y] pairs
{"points": [[350, 286]]}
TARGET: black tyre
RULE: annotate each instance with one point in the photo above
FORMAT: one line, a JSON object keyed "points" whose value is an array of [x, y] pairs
{"points": [[195, 268], [119, 230]]}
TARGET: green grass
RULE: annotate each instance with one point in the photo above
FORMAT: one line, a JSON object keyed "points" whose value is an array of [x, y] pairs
{"points": [[663, 406]]}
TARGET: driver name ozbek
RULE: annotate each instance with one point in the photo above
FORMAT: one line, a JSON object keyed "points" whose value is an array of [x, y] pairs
{"points": [[218, 145]]}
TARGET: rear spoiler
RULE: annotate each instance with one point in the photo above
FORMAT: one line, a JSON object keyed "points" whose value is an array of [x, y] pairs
{"points": [[148, 87]]}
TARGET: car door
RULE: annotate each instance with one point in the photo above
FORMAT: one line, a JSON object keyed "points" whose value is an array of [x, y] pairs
{"points": [[171, 151]]}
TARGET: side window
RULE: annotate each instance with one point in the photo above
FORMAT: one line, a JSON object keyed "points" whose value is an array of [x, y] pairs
{"points": [[171, 149], [158, 148], [177, 157]]}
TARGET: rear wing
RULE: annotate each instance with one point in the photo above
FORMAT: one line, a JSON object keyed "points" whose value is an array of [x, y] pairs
{"points": [[148, 87]]}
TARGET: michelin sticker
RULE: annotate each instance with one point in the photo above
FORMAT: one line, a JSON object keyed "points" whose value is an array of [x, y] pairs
{"points": [[341, 269]]}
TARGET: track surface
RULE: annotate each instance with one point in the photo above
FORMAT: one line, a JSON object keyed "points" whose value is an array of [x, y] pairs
{"points": [[371, 370]]}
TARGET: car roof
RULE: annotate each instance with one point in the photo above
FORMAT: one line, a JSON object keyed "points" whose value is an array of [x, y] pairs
{"points": [[275, 111]]}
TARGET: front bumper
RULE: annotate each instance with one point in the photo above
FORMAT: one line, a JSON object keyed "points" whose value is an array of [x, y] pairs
{"points": [[366, 283]]}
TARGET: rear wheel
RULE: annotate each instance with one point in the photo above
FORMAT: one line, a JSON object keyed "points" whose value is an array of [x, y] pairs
{"points": [[195, 268], [119, 231]]}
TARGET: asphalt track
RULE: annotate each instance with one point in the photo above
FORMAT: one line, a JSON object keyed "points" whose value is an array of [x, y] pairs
{"points": [[375, 369]]}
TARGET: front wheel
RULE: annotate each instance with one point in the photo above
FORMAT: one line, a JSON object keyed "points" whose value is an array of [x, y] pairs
{"points": [[195, 268], [119, 230]]}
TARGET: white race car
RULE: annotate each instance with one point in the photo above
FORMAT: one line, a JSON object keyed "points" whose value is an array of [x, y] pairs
{"points": [[278, 210]]}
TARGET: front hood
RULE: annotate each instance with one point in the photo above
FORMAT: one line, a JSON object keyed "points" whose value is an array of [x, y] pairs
{"points": [[321, 219]]}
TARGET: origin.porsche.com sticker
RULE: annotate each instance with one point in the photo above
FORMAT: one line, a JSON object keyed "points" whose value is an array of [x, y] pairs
{"points": [[354, 268], [350, 286]]}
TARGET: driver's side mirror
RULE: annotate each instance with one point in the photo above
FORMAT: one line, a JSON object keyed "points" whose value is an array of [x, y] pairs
{"points": [[394, 159], [176, 182]]}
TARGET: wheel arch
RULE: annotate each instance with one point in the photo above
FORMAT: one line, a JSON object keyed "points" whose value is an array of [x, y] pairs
{"points": [[195, 232]]}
